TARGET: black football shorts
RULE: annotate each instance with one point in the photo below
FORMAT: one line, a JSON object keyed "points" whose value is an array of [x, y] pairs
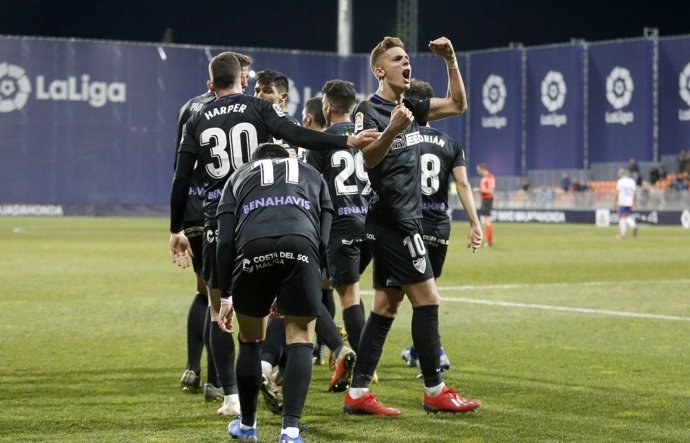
{"points": [[210, 239], [399, 254], [195, 234], [436, 238], [486, 207], [286, 267], [347, 259]]}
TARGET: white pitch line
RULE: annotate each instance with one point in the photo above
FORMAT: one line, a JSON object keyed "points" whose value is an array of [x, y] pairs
{"points": [[556, 285], [565, 309]]}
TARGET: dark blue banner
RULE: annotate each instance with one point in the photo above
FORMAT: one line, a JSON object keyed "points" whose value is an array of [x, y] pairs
{"points": [[555, 100], [620, 101], [674, 95], [495, 111]]}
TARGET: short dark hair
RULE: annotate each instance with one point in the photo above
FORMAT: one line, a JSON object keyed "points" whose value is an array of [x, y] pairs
{"points": [[224, 70], [383, 46], [245, 60], [341, 95], [420, 90], [270, 150], [313, 107], [267, 77]]}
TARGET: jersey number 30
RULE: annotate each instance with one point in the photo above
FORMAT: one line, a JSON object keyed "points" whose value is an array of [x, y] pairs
{"points": [[243, 142]]}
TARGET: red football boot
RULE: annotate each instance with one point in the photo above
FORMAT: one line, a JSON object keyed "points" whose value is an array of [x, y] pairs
{"points": [[367, 405], [448, 400]]}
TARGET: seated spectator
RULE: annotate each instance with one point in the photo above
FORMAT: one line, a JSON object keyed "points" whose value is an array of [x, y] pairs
{"points": [[565, 182], [654, 175]]}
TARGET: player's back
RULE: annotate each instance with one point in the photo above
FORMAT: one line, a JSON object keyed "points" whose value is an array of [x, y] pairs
{"points": [[225, 134], [347, 181], [194, 209], [275, 197], [626, 187], [439, 154]]}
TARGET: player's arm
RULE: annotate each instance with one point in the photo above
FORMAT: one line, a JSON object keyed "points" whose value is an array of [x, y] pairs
{"points": [[310, 139], [462, 184], [455, 101], [180, 250], [401, 117], [225, 256]]}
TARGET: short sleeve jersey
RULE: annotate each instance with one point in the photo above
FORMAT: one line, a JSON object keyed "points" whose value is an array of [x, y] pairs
{"points": [[439, 154], [348, 184], [395, 180], [224, 134], [194, 210], [626, 191], [275, 197], [487, 182]]}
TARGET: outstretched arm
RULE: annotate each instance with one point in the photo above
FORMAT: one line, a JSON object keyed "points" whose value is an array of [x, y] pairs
{"points": [[462, 184], [455, 101]]}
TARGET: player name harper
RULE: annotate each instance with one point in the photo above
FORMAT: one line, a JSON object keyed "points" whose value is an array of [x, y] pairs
{"points": [[276, 201], [222, 110]]}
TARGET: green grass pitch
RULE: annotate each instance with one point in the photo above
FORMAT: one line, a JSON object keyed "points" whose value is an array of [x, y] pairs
{"points": [[563, 332]]}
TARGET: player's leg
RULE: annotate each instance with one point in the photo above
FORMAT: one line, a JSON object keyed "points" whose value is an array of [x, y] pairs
{"points": [[385, 308], [196, 317], [299, 299], [347, 262], [299, 332], [437, 396], [271, 352], [622, 223], [222, 343], [251, 336]]}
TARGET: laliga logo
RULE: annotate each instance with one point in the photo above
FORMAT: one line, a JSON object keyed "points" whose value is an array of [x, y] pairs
{"points": [[494, 94], [683, 83], [15, 87], [619, 87], [553, 91]]}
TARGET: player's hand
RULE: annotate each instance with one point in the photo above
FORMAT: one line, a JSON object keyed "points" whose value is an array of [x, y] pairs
{"points": [[363, 139], [474, 238], [227, 312], [274, 313], [442, 47], [180, 249], [401, 118]]}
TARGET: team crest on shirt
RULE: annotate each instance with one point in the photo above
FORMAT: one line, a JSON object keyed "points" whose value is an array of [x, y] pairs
{"points": [[247, 265], [279, 111], [420, 264], [359, 122]]}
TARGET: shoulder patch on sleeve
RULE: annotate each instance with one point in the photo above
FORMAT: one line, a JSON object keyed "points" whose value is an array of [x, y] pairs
{"points": [[359, 122], [278, 110]]}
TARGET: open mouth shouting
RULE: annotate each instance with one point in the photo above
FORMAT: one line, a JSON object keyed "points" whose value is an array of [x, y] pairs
{"points": [[407, 75]]}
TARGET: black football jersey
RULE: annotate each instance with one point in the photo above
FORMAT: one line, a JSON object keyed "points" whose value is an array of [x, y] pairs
{"points": [[298, 150], [194, 210], [395, 181], [275, 197], [348, 184], [224, 134], [439, 154]]}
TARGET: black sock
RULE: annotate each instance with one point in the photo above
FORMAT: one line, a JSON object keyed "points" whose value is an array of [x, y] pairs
{"points": [[223, 349], [327, 300], [249, 379], [274, 345], [354, 323], [327, 330], [427, 342], [370, 347], [195, 332], [211, 374], [296, 379]]}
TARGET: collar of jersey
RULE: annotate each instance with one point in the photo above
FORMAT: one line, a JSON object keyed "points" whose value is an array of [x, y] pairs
{"points": [[231, 95], [382, 100], [341, 124]]}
